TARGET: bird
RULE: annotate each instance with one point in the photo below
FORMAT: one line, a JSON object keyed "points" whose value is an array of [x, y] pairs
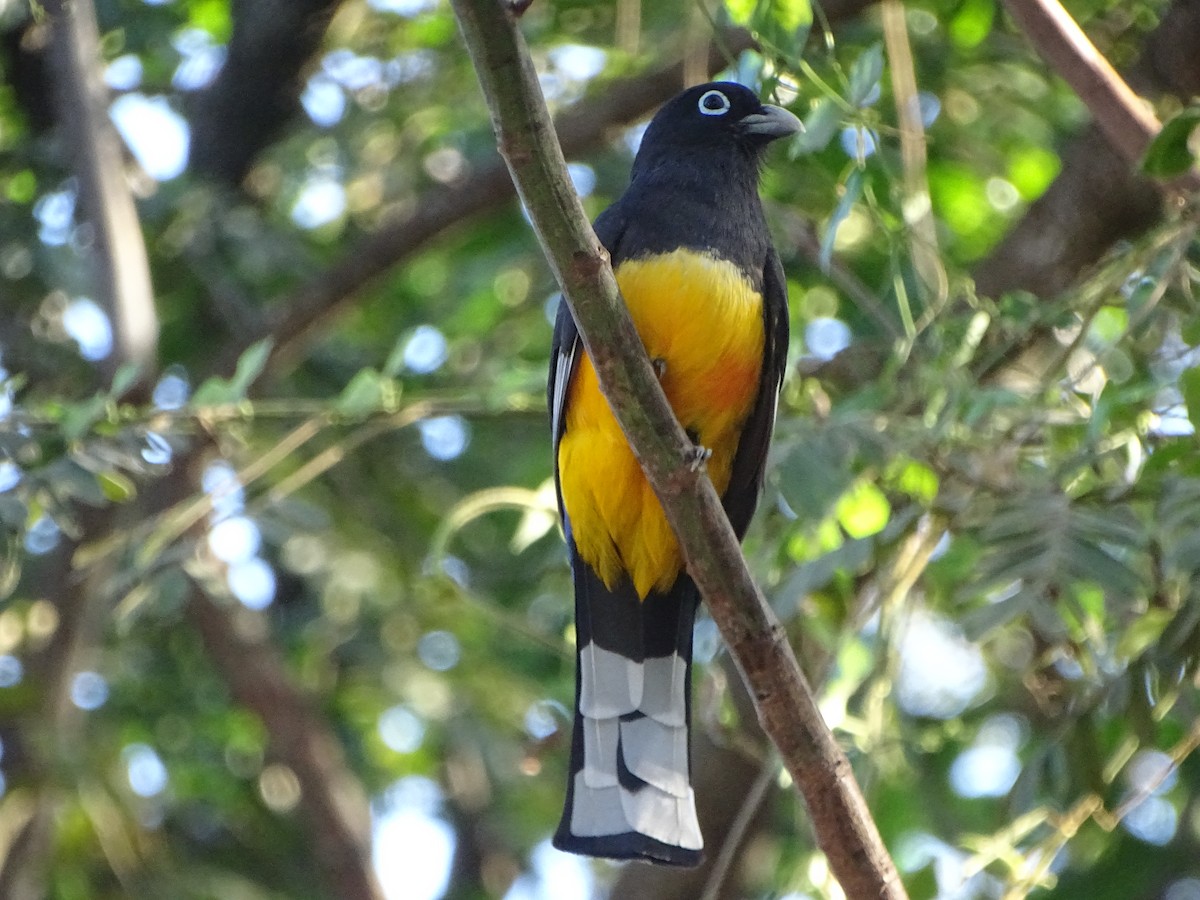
{"points": [[705, 287]]}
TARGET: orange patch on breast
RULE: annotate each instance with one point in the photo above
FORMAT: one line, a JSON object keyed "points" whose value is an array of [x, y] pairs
{"points": [[703, 319]]}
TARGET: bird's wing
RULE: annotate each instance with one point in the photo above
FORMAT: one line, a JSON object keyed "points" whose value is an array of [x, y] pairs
{"points": [[745, 482], [566, 345]]}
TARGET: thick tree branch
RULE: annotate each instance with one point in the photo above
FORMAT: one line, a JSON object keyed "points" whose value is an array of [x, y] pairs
{"points": [[122, 269], [786, 706], [258, 89]]}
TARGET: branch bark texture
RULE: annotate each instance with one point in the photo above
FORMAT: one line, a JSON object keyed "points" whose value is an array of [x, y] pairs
{"points": [[786, 706]]}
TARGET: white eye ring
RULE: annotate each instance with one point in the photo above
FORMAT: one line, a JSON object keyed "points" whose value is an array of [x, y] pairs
{"points": [[707, 106]]}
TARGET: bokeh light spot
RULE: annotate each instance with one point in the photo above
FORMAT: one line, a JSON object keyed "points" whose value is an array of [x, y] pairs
{"points": [[89, 327], [439, 650], [401, 729], [89, 690], [11, 671], [444, 437], [425, 351], [145, 770], [252, 581]]}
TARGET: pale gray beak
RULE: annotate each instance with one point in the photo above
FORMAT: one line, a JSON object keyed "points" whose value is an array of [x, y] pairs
{"points": [[773, 122]]}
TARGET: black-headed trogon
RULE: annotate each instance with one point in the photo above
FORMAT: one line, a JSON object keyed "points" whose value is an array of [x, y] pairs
{"points": [[694, 261]]}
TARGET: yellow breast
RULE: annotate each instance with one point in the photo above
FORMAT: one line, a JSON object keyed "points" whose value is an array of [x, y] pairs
{"points": [[703, 319]]}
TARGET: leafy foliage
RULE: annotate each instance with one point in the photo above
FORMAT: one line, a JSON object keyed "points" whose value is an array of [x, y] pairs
{"points": [[980, 528]]}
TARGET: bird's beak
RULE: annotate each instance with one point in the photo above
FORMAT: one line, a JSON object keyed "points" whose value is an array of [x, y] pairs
{"points": [[773, 122]]}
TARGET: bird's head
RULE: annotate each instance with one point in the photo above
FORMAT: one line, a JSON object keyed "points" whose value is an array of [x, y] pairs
{"points": [[718, 115]]}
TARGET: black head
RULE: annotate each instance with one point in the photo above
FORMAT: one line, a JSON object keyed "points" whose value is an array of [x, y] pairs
{"points": [[719, 115]]}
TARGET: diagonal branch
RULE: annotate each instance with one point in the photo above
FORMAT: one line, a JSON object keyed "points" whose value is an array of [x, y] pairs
{"points": [[1098, 197], [786, 706], [1128, 122], [257, 92]]}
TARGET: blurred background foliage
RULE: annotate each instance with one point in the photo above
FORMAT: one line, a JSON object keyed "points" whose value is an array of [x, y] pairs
{"points": [[288, 615]]}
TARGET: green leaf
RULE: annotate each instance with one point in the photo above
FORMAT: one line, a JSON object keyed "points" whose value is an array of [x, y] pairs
{"points": [[821, 124], [249, 366], [1143, 632], [972, 23], [1116, 364], [1108, 324], [865, 75], [979, 622], [813, 476], [915, 479], [922, 884], [78, 418], [1190, 331], [781, 25], [1171, 152], [1189, 385], [851, 191], [212, 16], [863, 510], [216, 391], [817, 573], [68, 480], [741, 12], [368, 392], [124, 379], [116, 486]]}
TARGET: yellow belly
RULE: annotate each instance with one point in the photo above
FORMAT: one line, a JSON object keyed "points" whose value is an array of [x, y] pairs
{"points": [[703, 319]]}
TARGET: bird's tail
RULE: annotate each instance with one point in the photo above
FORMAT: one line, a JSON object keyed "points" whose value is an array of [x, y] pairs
{"points": [[629, 795]]}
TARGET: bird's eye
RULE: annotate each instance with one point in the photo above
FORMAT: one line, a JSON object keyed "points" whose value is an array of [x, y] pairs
{"points": [[713, 103]]}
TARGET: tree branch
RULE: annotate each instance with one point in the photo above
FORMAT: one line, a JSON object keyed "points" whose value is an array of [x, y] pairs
{"points": [[122, 269], [1098, 197], [333, 802], [786, 706], [1125, 120], [122, 286], [257, 91]]}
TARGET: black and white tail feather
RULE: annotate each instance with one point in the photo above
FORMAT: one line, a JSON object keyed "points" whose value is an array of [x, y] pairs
{"points": [[629, 793]]}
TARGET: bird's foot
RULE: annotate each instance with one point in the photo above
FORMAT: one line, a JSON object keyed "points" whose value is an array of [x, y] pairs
{"points": [[660, 367], [697, 457]]}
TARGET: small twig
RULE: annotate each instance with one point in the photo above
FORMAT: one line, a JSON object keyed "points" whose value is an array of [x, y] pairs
{"points": [[721, 866], [917, 205]]}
